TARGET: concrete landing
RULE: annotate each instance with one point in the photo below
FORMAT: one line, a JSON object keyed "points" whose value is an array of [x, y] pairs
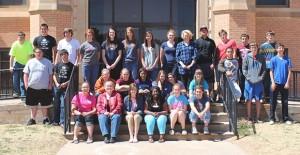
{"points": [[146, 148]]}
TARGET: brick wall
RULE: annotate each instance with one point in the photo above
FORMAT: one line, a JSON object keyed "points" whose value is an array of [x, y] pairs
{"points": [[9, 27], [287, 34]]}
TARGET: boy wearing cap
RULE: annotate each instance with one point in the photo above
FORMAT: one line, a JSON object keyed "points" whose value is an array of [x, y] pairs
{"points": [[61, 77], [206, 52], [280, 73], [268, 50], [254, 67], [21, 51]]}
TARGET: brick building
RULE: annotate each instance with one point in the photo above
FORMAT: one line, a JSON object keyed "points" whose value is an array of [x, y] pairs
{"points": [[254, 17]]}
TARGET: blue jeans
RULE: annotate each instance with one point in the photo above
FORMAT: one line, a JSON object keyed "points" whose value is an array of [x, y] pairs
{"points": [[133, 68], [59, 102], [115, 121], [194, 117], [18, 80], [90, 74], [153, 74], [284, 102], [161, 121]]}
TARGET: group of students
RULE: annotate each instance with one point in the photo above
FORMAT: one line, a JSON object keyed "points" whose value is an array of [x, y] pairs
{"points": [[138, 100], [169, 68]]}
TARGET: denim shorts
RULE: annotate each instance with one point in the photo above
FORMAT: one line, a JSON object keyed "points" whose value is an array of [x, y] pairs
{"points": [[194, 117]]}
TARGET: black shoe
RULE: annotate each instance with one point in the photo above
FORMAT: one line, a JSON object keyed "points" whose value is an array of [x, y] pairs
{"points": [[112, 140], [46, 121], [31, 122], [106, 140]]}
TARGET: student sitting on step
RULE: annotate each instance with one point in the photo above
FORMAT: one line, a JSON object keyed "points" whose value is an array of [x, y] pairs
{"points": [[156, 111], [83, 108], [109, 108], [133, 109], [178, 106], [200, 106]]}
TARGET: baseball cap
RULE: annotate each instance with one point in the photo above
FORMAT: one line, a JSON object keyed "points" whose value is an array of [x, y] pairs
{"points": [[203, 27], [63, 51]]}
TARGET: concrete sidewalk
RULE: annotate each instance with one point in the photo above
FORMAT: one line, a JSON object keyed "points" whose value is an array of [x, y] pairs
{"points": [[156, 148]]}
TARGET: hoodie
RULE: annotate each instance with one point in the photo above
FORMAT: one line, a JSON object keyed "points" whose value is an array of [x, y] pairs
{"points": [[254, 68]]}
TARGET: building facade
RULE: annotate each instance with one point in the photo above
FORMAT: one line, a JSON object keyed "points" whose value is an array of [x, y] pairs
{"points": [[254, 17]]}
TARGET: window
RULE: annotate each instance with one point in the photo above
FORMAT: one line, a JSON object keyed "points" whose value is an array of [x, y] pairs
{"points": [[13, 2], [143, 15], [272, 3]]}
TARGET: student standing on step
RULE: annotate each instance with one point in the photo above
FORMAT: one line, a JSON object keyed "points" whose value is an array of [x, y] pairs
{"points": [[207, 56], [230, 67], [280, 73], [21, 51], [83, 108], [200, 106], [242, 50], [112, 53], [131, 53], [71, 44], [133, 109], [109, 108], [177, 103], [38, 83], [46, 43], [268, 51], [254, 70], [61, 78]]}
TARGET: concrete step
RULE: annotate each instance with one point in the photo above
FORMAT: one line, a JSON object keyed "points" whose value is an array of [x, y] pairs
{"points": [[145, 137], [217, 128]]}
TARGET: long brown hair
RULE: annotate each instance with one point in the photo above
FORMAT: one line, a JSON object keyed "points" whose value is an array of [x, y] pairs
{"points": [[152, 41], [108, 41], [127, 41], [131, 86]]}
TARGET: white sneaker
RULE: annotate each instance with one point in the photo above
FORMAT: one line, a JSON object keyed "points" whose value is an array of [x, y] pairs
{"points": [[271, 122], [194, 131], [184, 132], [205, 130], [288, 122], [171, 132]]}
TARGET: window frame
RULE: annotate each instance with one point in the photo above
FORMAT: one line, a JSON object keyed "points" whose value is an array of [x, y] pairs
{"points": [[16, 5], [286, 5]]}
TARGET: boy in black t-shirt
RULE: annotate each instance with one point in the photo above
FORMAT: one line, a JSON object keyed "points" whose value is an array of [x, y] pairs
{"points": [[61, 77]]}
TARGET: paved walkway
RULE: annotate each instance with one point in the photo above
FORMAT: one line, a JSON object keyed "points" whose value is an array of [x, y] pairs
{"points": [[145, 148]]}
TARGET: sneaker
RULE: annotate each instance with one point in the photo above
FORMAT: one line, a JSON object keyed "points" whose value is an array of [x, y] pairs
{"points": [[184, 132], [89, 141], [194, 131], [54, 124], [171, 132], [31, 122], [106, 140], [271, 122], [205, 130], [259, 121], [15, 95], [288, 122], [112, 140], [62, 126], [46, 121]]}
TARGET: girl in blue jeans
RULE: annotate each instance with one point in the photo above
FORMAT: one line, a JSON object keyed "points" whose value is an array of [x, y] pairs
{"points": [[156, 111]]}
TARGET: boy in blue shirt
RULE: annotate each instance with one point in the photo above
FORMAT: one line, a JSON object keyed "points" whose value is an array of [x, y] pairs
{"points": [[280, 74]]}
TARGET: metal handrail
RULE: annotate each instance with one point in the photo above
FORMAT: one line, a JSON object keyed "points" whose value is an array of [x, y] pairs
{"points": [[71, 91], [6, 83], [230, 103]]}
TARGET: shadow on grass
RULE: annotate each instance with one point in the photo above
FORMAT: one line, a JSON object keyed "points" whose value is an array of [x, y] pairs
{"points": [[245, 128]]}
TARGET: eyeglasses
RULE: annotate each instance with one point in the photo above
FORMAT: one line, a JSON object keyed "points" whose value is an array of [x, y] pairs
{"points": [[39, 52]]}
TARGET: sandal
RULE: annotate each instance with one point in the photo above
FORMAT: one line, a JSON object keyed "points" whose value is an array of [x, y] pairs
{"points": [[135, 141], [130, 140], [151, 140], [161, 140], [75, 141]]}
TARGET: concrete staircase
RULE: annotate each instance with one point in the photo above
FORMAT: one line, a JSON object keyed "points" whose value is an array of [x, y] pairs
{"points": [[218, 127]]}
